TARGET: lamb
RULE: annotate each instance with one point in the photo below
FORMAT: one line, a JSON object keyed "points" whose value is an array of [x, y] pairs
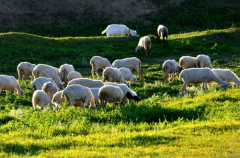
{"points": [[72, 75], [38, 83], [50, 89], [43, 70], [63, 72], [162, 31], [98, 62], [188, 62], [40, 100], [227, 75], [25, 69], [203, 61], [118, 29], [10, 83], [131, 63], [127, 75], [110, 94], [113, 75], [58, 100], [127, 93], [79, 93], [144, 42], [200, 75], [95, 94], [171, 67], [87, 82]]}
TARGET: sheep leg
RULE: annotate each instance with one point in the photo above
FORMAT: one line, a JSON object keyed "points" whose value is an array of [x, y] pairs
{"points": [[146, 52], [71, 102], [206, 85], [96, 70], [93, 71], [184, 88], [166, 77]]}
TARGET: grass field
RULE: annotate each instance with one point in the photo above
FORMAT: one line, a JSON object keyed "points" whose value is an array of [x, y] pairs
{"points": [[163, 124]]}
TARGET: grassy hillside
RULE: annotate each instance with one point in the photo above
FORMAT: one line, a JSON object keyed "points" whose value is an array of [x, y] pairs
{"points": [[163, 124]]}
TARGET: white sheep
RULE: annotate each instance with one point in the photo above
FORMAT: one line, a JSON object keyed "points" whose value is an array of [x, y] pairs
{"points": [[63, 72], [10, 83], [127, 92], [131, 63], [95, 94], [87, 82], [43, 70], [79, 93], [118, 29], [203, 61], [110, 94], [25, 69], [72, 75], [99, 62], [50, 89], [200, 75], [38, 83], [171, 67], [188, 62], [162, 31], [40, 100], [58, 100], [144, 42], [113, 75], [227, 75], [128, 76]]}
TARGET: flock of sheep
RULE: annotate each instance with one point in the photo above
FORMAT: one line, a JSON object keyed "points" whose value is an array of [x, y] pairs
{"points": [[54, 85]]}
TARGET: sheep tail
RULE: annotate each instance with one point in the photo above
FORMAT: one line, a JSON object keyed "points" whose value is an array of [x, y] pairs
{"points": [[104, 31]]}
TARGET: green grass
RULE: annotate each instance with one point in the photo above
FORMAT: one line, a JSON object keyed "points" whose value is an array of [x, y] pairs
{"points": [[163, 124]]}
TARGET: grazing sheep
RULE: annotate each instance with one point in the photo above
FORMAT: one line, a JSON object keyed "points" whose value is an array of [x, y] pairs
{"points": [[200, 75], [118, 29], [98, 62], [127, 93], [50, 89], [25, 69], [63, 72], [144, 42], [43, 70], [227, 75], [203, 61], [38, 83], [59, 100], [72, 75], [79, 93], [110, 94], [113, 75], [128, 76], [40, 100], [10, 83], [162, 31], [187, 62], [171, 67], [95, 94], [131, 63], [87, 82]]}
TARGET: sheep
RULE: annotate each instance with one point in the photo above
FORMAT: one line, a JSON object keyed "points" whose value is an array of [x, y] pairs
{"points": [[40, 99], [79, 93], [113, 75], [59, 100], [144, 42], [98, 62], [118, 29], [87, 82], [200, 75], [72, 75], [203, 61], [43, 70], [63, 72], [38, 83], [10, 83], [95, 94], [127, 93], [171, 67], [50, 89], [110, 94], [25, 69], [131, 63], [127, 75], [188, 62], [162, 31], [227, 75]]}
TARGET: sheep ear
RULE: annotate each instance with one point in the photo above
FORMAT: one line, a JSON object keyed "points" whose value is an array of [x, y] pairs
{"points": [[128, 95]]}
